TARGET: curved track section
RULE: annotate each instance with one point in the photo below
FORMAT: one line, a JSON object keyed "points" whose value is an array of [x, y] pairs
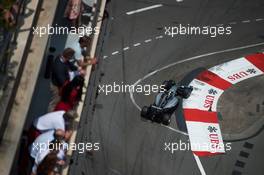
{"points": [[200, 108]]}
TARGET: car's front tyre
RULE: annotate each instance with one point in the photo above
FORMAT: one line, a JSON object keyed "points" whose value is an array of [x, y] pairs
{"points": [[166, 119], [144, 112]]}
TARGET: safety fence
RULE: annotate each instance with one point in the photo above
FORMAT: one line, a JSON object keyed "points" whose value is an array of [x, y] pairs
{"points": [[12, 14]]}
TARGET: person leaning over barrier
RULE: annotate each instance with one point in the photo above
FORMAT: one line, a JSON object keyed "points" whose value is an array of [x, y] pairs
{"points": [[53, 120], [71, 94], [80, 45], [46, 143], [61, 69], [48, 165]]}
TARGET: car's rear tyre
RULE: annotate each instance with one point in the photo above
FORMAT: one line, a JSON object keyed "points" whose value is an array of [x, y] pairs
{"points": [[144, 112], [166, 119]]}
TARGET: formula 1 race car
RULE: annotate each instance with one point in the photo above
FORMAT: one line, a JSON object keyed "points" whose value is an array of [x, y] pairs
{"points": [[166, 102]]}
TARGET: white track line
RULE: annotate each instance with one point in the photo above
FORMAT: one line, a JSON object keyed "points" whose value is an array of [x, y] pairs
{"points": [[137, 44], [175, 130], [232, 23], [148, 40], [183, 61], [144, 9], [259, 19], [116, 52], [198, 161], [125, 48], [159, 37], [246, 21], [200, 166], [115, 171]]}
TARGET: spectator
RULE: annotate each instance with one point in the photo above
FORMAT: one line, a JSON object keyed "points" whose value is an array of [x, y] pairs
{"points": [[8, 12], [71, 94], [59, 75], [44, 144], [61, 68], [53, 120], [41, 144], [80, 48], [73, 10], [48, 164]]}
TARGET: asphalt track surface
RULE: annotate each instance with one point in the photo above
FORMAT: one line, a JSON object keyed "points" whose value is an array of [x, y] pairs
{"points": [[134, 46]]}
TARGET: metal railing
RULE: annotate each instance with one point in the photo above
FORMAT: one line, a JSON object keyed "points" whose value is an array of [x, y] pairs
{"points": [[7, 45], [9, 37]]}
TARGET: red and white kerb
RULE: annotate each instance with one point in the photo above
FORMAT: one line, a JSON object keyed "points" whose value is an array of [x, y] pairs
{"points": [[200, 108]]}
